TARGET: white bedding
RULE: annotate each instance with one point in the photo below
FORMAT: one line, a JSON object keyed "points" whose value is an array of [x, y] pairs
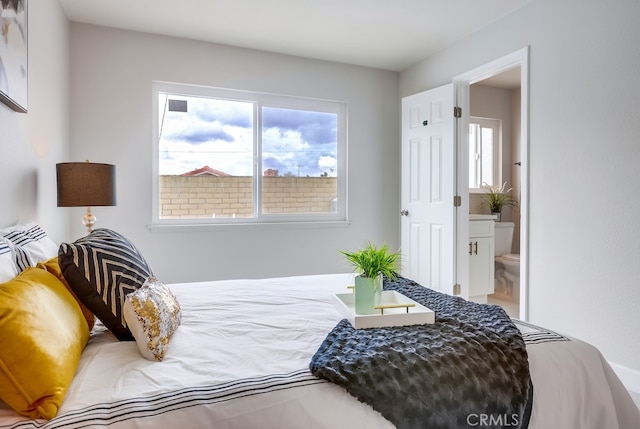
{"points": [[240, 360]]}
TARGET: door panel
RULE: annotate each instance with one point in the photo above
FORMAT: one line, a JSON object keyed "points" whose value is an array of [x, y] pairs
{"points": [[428, 173]]}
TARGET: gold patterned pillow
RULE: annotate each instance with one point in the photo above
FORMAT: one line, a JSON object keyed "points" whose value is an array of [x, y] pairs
{"points": [[152, 314]]}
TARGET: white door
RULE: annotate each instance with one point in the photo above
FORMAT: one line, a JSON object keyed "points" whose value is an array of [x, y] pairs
{"points": [[428, 179]]}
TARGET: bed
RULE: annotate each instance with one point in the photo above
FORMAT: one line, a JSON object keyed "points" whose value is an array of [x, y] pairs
{"points": [[240, 359]]}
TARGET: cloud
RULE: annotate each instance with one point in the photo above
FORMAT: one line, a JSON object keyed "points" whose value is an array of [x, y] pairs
{"points": [[197, 136], [328, 162], [288, 152], [219, 133], [294, 141], [314, 127], [224, 112], [177, 163], [206, 120]]}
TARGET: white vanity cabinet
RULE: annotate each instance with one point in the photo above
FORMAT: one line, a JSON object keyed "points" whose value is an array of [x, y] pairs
{"points": [[481, 257]]}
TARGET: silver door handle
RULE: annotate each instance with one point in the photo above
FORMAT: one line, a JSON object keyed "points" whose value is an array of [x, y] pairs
{"points": [[404, 212]]}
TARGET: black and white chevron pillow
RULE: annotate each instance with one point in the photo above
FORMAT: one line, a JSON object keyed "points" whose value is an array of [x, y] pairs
{"points": [[102, 268]]}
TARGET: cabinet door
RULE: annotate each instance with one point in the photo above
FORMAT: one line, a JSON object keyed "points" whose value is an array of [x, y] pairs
{"points": [[481, 266]]}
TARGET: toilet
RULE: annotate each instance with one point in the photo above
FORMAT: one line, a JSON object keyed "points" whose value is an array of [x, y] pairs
{"points": [[507, 264]]}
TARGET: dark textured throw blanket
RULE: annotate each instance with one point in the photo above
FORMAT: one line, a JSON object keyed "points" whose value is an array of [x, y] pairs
{"points": [[467, 370]]}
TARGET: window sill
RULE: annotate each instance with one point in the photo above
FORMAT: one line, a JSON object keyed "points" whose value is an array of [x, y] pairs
{"points": [[197, 227]]}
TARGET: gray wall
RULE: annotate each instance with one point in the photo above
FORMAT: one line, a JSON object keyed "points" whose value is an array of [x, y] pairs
{"points": [[112, 71], [32, 143], [584, 156]]}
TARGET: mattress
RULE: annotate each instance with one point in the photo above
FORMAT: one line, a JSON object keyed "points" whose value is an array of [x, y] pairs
{"points": [[240, 359]]}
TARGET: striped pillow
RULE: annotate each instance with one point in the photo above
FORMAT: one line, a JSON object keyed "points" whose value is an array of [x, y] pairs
{"points": [[101, 269], [32, 244], [8, 267]]}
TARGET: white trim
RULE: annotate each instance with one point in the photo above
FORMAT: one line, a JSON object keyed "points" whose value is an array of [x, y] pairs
{"points": [[259, 99], [496, 149], [197, 227], [629, 377], [461, 85]]}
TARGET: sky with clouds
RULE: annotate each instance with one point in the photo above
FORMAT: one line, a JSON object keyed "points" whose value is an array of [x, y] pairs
{"points": [[219, 133]]}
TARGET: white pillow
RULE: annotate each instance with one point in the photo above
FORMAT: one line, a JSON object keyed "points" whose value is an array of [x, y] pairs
{"points": [[152, 314], [32, 244], [8, 267]]}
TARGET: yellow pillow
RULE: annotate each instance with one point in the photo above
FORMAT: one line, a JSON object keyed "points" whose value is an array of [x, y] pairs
{"points": [[42, 335], [53, 267]]}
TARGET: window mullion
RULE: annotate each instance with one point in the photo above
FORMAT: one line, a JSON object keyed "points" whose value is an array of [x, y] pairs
{"points": [[480, 156], [257, 160]]}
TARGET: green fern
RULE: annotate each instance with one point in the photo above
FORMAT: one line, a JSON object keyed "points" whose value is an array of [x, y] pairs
{"points": [[371, 261], [498, 197]]}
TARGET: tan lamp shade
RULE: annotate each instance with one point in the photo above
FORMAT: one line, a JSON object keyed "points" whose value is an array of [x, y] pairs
{"points": [[86, 184]]}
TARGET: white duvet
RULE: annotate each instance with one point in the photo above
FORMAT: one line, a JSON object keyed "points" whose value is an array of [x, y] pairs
{"points": [[240, 360]]}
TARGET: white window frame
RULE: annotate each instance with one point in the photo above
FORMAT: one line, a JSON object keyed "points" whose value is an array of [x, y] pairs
{"points": [[337, 218], [496, 125]]}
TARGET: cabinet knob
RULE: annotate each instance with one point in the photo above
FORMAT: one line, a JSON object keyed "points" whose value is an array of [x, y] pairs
{"points": [[404, 212]]}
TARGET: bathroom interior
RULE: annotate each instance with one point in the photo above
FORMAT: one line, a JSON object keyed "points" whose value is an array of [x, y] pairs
{"points": [[495, 105]]}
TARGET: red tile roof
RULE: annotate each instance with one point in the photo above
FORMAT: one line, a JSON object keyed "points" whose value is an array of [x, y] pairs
{"points": [[205, 170]]}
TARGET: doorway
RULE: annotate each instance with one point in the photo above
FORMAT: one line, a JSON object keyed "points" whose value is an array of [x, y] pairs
{"points": [[495, 110], [499, 91]]}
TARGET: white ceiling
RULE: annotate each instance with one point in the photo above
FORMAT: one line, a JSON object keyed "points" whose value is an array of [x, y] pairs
{"points": [[386, 34], [508, 79]]}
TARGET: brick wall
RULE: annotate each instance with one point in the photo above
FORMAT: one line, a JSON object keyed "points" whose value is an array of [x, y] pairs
{"points": [[210, 196]]}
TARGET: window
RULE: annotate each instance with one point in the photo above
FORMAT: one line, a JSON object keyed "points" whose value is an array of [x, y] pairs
{"points": [[227, 156], [484, 152]]}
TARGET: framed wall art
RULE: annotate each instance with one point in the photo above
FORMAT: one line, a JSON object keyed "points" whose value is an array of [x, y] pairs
{"points": [[13, 54]]}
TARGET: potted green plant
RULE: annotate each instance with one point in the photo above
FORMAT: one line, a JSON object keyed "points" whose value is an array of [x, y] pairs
{"points": [[496, 198], [371, 263]]}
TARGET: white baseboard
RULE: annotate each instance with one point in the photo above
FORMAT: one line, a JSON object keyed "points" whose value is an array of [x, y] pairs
{"points": [[629, 377]]}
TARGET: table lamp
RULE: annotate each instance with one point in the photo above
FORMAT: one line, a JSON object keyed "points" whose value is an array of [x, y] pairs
{"points": [[86, 184]]}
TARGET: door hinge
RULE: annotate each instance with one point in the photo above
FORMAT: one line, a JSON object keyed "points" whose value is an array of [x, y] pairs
{"points": [[457, 112], [456, 289], [457, 201]]}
